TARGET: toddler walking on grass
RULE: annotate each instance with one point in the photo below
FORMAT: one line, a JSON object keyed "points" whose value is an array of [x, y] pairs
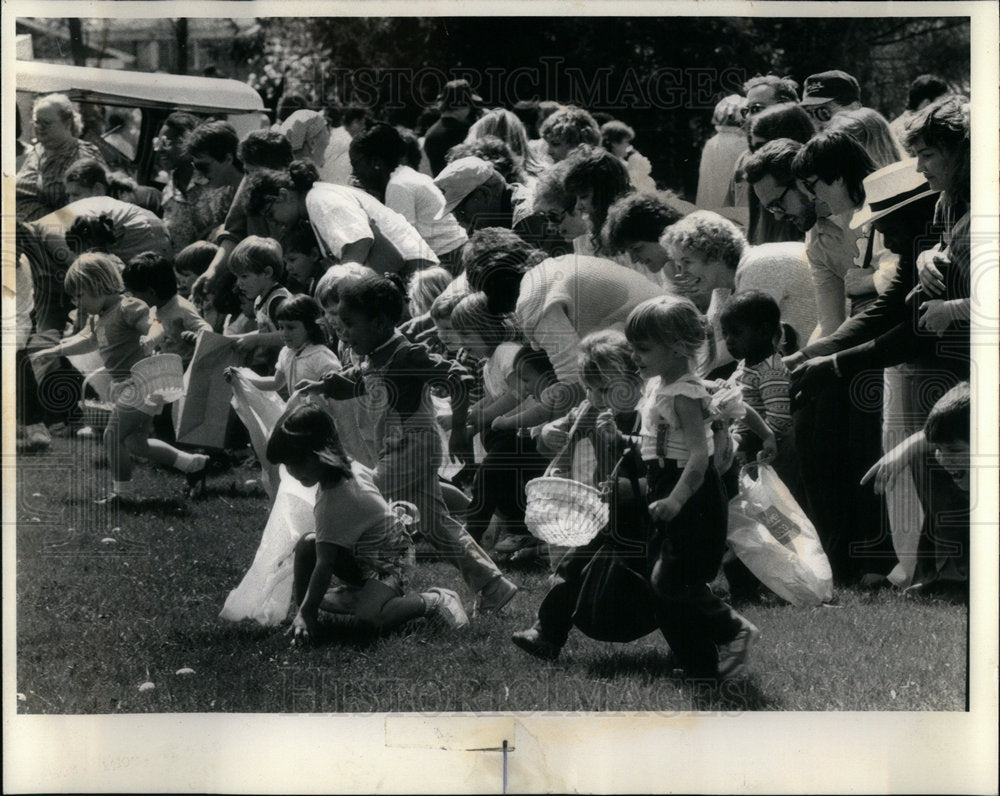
{"points": [[119, 328]]}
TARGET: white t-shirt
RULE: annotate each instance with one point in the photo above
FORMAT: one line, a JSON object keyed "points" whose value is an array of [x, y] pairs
{"points": [[336, 160], [341, 215], [417, 199], [498, 368]]}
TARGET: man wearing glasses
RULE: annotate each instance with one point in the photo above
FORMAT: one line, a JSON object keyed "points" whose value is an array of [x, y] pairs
{"points": [[828, 93]]}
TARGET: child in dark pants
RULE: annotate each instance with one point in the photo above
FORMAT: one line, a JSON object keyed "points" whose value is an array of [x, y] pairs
{"points": [[606, 418], [687, 502]]}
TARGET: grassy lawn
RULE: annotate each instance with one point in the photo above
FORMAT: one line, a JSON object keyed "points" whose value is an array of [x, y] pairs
{"points": [[96, 618]]}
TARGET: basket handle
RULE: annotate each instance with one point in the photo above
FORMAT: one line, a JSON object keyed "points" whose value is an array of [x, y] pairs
{"points": [[556, 460]]}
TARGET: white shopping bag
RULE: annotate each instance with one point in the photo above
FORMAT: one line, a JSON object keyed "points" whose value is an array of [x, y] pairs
{"points": [[776, 540], [259, 410]]}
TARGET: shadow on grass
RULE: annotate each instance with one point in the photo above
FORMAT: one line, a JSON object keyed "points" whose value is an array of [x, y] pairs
{"points": [[733, 696], [137, 505]]}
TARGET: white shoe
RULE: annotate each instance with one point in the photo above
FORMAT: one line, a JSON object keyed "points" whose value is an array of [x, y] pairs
{"points": [[446, 606], [37, 437]]}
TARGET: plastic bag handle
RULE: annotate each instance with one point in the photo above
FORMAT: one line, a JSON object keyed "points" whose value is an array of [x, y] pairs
{"points": [[569, 440]]}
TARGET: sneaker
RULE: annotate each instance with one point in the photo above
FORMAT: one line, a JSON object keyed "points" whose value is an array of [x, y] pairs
{"points": [[534, 643], [87, 432], [37, 437], [734, 655], [447, 607], [495, 595]]}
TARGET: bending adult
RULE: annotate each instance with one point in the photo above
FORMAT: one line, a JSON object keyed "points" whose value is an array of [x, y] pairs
{"points": [[40, 182], [309, 135], [350, 224], [556, 302], [595, 178]]}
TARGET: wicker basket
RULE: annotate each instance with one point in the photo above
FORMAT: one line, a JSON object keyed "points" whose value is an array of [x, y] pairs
{"points": [[160, 376], [564, 512]]}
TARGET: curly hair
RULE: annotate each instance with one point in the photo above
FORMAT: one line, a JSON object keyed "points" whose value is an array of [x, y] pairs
{"points": [[637, 218], [550, 188], [944, 124], [710, 235], [571, 125], [492, 149], [495, 260], [376, 295]]}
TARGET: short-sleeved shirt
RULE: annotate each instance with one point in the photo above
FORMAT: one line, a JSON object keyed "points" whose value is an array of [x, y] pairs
{"points": [[175, 316], [266, 305], [354, 515], [312, 361], [662, 435], [497, 369], [341, 215], [117, 331], [417, 199]]}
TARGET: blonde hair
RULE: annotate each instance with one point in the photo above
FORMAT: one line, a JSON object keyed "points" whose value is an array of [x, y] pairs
{"points": [[606, 357], [96, 273], [425, 286], [327, 290], [870, 129], [673, 322], [506, 126], [67, 111], [708, 234]]}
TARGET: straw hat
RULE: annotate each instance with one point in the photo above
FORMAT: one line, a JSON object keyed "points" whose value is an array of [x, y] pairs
{"points": [[890, 188], [460, 178]]}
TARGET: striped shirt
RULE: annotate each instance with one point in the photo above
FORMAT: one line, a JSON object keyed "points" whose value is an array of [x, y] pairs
{"points": [[765, 389]]}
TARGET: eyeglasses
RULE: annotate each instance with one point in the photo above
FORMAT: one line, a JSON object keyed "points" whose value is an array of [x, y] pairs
{"points": [[752, 109], [777, 207], [821, 113], [810, 185], [555, 217]]}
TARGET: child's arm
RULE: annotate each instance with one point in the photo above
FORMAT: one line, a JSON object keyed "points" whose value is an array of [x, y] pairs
{"points": [[339, 386], [888, 468], [769, 447], [245, 343], [689, 413], [482, 414], [266, 383], [304, 624], [77, 344], [526, 414]]}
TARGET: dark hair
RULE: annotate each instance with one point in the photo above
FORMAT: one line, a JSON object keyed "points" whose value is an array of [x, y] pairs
{"points": [[427, 118], [255, 254], [595, 171], [288, 104], [786, 120], [774, 159], [635, 218], [267, 149], [614, 132], [785, 89], [304, 309], [494, 260], [754, 309], [151, 271], [376, 296], [263, 186], [305, 430], [91, 233], [472, 314], [949, 419], [195, 257], [381, 142], [527, 112], [181, 122], [215, 139], [945, 124], [535, 359], [835, 154], [493, 150], [925, 87], [301, 240], [571, 125], [354, 113], [412, 154], [88, 172]]}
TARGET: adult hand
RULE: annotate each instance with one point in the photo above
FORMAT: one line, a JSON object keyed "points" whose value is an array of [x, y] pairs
{"points": [[886, 470], [793, 361], [663, 511], [809, 379], [929, 264], [190, 337], [936, 316]]}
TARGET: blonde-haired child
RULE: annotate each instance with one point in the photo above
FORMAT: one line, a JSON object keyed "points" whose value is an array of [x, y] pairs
{"points": [[687, 502], [119, 328], [258, 265]]}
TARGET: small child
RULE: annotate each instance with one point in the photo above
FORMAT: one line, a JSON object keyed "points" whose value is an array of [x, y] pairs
{"points": [[304, 355], [617, 138], [607, 419], [943, 487], [328, 295], [751, 328], [191, 262], [257, 264], [358, 538], [150, 278], [395, 374], [687, 502], [425, 286], [511, 458], [303, 262], [120, 329]]}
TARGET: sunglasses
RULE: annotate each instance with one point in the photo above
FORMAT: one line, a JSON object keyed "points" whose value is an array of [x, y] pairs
{"points": [[821, 113], [555, 217], [752, 109]]}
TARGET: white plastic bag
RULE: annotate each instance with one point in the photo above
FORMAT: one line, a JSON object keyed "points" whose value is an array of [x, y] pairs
{"points": [[775, 539], [259, 410], [265, 593]]}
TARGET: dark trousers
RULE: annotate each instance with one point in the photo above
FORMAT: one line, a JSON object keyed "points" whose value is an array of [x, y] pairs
{"points": [[943, 549], [693, 620], [511, 461]]}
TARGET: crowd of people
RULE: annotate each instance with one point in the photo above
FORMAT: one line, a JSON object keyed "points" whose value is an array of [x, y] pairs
{"points": [[509, 289]]}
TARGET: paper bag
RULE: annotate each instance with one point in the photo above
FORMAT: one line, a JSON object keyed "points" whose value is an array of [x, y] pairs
{"points": [[201, 416]]}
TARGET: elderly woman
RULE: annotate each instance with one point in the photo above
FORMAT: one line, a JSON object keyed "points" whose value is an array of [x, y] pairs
{"points": [[40, 185], [350, 224], [720, 153], [556, 301]]}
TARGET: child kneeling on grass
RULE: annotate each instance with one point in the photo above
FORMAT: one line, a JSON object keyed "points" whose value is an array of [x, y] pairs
{"points": [[358, 537]]}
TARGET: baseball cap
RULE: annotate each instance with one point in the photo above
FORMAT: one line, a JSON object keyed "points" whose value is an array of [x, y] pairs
{"points": [[460, 178], [834, 85]]}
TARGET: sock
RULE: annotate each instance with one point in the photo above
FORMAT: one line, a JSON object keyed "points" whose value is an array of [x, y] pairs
{"points": [[430, 602], [190, 462]]}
